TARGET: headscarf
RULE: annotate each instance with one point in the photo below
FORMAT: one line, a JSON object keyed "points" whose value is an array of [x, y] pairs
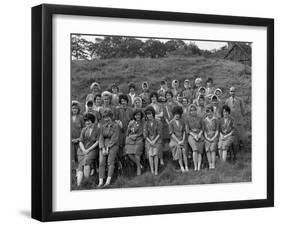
{"points": [[95, 84]]}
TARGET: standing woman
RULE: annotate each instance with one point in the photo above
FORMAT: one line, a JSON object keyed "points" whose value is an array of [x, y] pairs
{"points": [[162, 91], [134, 143], [88, 147], [152, 134], [201, 106], [95, 89], [106, 99], [168, 116], [158, 108], [132, 93], [138, 103], [188, 91], [194, 131], [124, 114], [97, 102], [226, 137], [211, 131], [145, 94], [109, 146], [77, 124], [185, 105], [176, 88], [177, 143], [115, 95]]}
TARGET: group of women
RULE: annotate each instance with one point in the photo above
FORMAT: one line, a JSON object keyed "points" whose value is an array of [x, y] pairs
{"points": [[140, 126]]}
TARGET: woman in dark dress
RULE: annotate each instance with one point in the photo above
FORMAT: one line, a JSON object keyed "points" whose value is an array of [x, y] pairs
{"points": [[124, 114], [134, 143], [88, 147]]}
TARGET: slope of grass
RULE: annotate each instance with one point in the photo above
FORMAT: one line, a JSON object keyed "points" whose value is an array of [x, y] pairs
{"points": [[122, 71], [228, 172]]}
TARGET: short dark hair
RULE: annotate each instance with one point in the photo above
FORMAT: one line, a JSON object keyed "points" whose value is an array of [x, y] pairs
{"points": [[177, 110], [76, 105], [210, 80], [95, 97], [132, 85], [89, 116], [153, 94], [170, 92], [149, 110], [90, 103], [138, 111], [225, 108], [209, 108], [124, 97], [114, 86]]}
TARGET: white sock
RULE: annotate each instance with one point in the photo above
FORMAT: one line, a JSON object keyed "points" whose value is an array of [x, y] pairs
{"points": [[79, 177]]}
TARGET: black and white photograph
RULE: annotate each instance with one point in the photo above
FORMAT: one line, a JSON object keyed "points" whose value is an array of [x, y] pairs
{"points": [[158, 111]]}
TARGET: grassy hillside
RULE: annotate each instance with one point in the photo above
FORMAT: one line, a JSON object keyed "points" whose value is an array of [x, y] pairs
{"points": [[121, 71], [225, 74]]}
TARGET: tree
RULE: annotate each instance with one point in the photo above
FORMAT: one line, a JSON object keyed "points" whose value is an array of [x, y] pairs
{"points": [[154, 49], [174, 44], [80, 48]]}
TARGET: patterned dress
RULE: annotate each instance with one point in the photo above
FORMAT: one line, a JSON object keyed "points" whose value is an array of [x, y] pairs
{"points": [[151, 130], [177, 127], [134, 144], [226, 126], [88, 137], [210, 126], [194, 125]]}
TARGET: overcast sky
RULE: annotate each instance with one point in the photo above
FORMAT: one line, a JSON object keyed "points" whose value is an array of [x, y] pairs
{"points": [[204, 45]]}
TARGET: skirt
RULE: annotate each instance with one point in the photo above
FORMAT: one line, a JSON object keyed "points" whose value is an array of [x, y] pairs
{"points": [[226, 143], [152, 150], [86, 159], [196, 146], [134, 146], [177, 150], [211, 146]]}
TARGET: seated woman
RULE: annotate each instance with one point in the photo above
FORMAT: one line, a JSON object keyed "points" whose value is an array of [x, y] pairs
{"points": [[194, 131], [109, 146], [134, 143], [158, 109], [210, 128], [88, 147], [152, 134], [226, 137], [177, 143]]}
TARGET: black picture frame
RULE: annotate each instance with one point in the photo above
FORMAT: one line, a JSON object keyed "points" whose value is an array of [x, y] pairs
{"points": [[42, 108]]}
